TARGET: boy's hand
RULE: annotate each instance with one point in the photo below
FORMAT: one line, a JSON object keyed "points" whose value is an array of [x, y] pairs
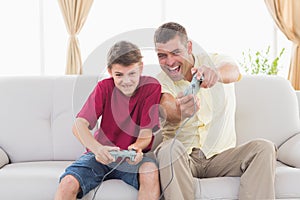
{"points": [[103, 156], [138, 157]]}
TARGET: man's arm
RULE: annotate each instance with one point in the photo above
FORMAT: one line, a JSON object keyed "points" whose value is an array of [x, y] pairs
{"points": [[228, 72], [225, 72], [175, 109], [83, 134]]}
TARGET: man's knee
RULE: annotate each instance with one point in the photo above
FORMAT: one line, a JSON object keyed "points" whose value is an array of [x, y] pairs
{"points": [[169, 147], [169, 152], [265, 147]]}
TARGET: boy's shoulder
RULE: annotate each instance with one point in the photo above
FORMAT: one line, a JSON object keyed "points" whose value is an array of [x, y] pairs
{"points": [[144, 79], [148, 85], [105, 81]]}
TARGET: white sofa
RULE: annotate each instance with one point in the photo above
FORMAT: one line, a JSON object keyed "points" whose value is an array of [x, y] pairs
{"points": [[36, 142]]}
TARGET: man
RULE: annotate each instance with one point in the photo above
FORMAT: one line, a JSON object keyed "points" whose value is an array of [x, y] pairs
{"points": [[199, 130]]}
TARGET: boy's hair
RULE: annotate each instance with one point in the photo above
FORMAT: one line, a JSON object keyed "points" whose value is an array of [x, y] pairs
{"points": [[123, 53], [168, 31]]}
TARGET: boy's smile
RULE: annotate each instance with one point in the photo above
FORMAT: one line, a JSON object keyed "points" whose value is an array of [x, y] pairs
{"points": [[126, 78]]}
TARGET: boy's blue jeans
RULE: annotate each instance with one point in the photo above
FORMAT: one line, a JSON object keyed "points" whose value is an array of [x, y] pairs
{"points": [[90, 173]]}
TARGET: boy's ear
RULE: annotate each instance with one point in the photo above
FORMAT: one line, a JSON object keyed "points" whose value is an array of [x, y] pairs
{"points": [[109, 71], [141, 67]]}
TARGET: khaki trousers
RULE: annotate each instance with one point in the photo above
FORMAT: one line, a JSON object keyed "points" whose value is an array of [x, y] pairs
{"points": [[254, 162]]}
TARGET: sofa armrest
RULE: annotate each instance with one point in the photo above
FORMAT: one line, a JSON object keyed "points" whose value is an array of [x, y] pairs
{"points": [[298, 96], [289, 151], [3, 158]]}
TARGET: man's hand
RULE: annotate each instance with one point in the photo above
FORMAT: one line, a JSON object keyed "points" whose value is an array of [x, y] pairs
{"points": [[188, 105], [103, 156], [211, 75], [139, 155]]}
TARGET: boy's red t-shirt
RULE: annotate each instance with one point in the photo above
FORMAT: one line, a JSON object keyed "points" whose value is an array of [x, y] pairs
{"points": [[122, 116]]}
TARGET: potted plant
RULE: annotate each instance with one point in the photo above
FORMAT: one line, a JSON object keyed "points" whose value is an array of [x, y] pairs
{"points": [[259, 62]]}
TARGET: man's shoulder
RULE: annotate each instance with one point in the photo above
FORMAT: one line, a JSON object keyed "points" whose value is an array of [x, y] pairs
{"points": [[163, 78], [215, 58], [168, 85]]}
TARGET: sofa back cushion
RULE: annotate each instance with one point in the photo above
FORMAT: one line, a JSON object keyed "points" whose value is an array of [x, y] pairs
{"points": [[37, 114], [267, 107]]}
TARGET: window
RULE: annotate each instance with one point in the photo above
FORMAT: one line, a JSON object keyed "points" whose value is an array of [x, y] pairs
{"points": [[20, 46], [230, 26], [34, 38]]}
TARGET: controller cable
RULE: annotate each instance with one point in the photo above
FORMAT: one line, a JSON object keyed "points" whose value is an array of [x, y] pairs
{"points": [[97, 188], [173, 142], [171, 159]]}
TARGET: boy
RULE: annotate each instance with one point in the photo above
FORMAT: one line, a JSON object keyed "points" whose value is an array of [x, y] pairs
{"points": [[128, 104]]}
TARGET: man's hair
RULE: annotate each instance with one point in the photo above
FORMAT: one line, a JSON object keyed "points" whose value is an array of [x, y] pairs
{"points": [[168, 31], [123, 53]]}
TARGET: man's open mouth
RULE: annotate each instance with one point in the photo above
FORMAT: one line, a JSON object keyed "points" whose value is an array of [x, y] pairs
{"points": [[174, 69]]}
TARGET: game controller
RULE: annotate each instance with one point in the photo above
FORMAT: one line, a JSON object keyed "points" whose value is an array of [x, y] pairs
{"points": [[194, 86], [124, 154]]}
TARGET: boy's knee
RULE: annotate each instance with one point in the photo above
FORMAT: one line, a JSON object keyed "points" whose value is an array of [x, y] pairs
{"points": [[69, 184], [148, 172], [148, 167]]}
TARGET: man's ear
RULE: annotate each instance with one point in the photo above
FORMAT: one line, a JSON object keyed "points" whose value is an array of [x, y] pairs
{"points": [[190, 47]]}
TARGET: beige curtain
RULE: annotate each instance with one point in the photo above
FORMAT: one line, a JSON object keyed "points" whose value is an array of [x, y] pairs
{"points": [[75, 13], [286, 14]]}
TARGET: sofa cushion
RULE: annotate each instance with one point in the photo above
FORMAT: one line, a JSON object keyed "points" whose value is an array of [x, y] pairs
{"points": [[44, 178], [112, 190], [287, 182], [67, 101], [289, 152], [286, 185], [3, 158], [31, 180], [267, 107], [25, 104], [227, 188], [39, 112]]}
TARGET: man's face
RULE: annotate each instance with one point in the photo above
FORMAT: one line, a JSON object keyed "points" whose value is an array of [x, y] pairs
{"points": [[174, 58], [126, 78]]}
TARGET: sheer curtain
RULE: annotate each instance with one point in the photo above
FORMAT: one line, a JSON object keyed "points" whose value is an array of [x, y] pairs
{"points": [[286, 14], [75, 13]]}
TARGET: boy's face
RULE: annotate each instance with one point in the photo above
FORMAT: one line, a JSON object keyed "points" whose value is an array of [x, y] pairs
{"points": [[173, 58], [126, 78]]}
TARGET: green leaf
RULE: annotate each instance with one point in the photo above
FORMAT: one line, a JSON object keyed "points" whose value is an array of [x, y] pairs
{"points": [[260, 62]]}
